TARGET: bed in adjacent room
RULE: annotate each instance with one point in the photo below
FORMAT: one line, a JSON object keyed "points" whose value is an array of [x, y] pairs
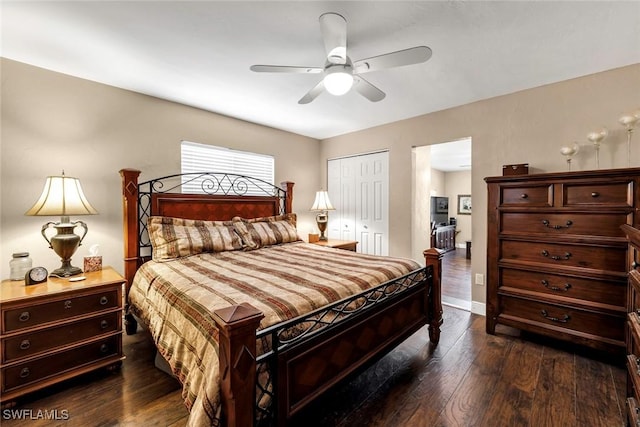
{"points": [[254, 322]]}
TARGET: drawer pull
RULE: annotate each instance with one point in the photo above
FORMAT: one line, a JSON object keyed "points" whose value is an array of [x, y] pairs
{"points": [[545, 253], [104, 324], [546, 223], [595, 194], [104, 300], [67, 304], [24, 373], [634, 264], [564, 319], [104, 348], [566, 287], [25, 344], [524, 196], [24, 316]]}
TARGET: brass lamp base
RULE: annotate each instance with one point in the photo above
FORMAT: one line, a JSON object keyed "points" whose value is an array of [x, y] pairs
{"points": [[321, 220], [65, 244]]}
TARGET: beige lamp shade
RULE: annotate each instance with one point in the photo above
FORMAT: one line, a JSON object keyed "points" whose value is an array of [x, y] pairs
{"points": [[322, 202], [62, 196]]}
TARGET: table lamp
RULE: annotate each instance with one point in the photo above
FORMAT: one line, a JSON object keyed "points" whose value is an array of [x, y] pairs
{"points": [[63, 196], [322, 204]]}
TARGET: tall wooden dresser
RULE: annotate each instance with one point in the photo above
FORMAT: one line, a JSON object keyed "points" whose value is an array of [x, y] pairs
{"points": [[633, 328], [557, 258]]}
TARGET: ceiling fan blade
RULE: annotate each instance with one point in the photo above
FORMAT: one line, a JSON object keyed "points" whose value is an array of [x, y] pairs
{"points": [[368, 90], [284, 69], [414, 55], [313, 93], [334, 34]]}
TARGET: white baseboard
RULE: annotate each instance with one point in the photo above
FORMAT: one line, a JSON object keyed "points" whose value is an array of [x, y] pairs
{"points": [[479, 308]]}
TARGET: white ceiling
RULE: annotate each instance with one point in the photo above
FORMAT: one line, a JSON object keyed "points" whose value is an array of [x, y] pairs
{"points": [[199, 53]]}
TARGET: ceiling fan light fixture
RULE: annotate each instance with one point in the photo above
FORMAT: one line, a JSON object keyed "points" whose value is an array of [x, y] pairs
{"points": [[338, 79]]}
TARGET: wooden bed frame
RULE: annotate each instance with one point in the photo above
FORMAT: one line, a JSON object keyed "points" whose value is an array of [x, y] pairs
{"points": [[392, 312]]}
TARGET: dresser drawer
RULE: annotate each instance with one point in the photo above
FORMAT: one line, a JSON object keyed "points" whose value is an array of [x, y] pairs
{"points": [[527, 195], [29, 344], [565, 255], [612, 194], [570, 318], [557, 224], [602, 292], [23, 374], [64, 308]]}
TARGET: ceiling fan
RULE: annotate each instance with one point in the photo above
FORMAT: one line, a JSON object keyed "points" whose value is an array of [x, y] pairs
{"points": [[340, 73]]}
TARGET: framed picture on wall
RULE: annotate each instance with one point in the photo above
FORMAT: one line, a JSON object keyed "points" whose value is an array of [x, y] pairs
{"points": [[442, 205], [464, 204]]}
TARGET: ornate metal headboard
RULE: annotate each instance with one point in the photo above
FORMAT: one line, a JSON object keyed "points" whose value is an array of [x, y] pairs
{"points": [[205, 196]]}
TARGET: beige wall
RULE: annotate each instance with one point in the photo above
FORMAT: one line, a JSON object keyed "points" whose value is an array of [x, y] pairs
{"points": [[524, 127], [52, 121], [459, 183]]}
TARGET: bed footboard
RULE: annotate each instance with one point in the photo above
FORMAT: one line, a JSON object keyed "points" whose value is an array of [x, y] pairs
{"points": [[309, 368]]}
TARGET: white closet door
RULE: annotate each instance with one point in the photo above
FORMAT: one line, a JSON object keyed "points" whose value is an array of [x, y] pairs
{"points": [[358, 188], [372, 206]]}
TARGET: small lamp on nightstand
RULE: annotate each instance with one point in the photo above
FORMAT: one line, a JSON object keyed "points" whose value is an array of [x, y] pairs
{"points": [[63, 196], [321, 205]]}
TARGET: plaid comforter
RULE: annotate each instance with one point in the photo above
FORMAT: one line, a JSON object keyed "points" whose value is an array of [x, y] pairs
{"points": [[176, 299]]}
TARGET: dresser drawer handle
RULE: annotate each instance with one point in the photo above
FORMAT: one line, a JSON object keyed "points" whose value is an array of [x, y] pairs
{"points": [[25, 344], [546, 223], [566, 287], [634, 264], [104, 348], [545, 253], [564, 319], [104, 324], [67, 304], [524, 196], [24, 373], [104, 300], [595, 194], [24, 316]]}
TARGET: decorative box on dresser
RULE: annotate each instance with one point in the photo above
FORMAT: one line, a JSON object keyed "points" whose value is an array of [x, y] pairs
{"points": [[57, 330], [557, 257], [633, 327]]}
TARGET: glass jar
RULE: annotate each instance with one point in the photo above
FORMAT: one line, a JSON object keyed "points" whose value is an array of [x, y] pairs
{"points": [[19, 265]]}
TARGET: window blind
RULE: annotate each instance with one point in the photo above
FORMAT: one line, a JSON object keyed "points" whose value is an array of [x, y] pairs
{"points": [[197, 157]]}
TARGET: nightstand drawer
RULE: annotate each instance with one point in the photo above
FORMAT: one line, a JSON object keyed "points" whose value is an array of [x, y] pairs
{"points": [[23, 374], [61, 309], [29, 344]]}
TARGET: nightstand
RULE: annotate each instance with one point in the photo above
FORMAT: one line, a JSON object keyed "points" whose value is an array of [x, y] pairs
{"points": [[57, 330], [349, 245]]}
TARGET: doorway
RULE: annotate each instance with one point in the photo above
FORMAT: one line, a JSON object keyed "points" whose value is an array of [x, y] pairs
{"points": [[443, 172]]}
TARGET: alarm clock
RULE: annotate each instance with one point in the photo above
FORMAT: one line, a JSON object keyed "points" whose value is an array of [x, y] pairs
{"points": [[36, 275]]}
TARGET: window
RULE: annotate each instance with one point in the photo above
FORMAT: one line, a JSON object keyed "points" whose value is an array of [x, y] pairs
{"points": [[209, 158]]}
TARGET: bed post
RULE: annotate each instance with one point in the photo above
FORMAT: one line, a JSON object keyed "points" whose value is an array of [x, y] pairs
{"points": [[130, 234], [288, 201], [433, 257], [237, 354]]}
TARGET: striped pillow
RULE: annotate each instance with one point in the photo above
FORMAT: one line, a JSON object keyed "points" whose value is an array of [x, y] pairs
{"points": [[267, 231], [177, 237]]}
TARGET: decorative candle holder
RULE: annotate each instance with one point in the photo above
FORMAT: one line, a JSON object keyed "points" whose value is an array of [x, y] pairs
{"points": [[596, 137], [629, 121], [569, 152]]}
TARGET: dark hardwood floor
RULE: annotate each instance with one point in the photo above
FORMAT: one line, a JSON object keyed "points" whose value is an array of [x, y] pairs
{"points": [[456, 279], [469, 379]]}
